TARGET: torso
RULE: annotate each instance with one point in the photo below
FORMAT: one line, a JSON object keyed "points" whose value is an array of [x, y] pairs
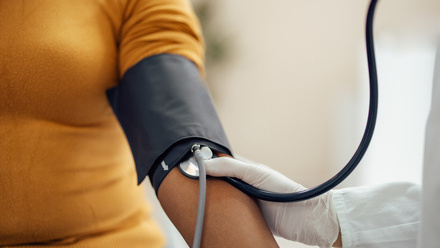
{"points": [[66, 168]]}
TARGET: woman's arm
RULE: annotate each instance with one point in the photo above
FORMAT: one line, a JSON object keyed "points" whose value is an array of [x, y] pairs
{"points": [[232, 219]]}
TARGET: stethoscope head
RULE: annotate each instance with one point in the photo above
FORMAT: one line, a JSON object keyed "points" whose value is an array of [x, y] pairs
{"points": [[189, 167]]}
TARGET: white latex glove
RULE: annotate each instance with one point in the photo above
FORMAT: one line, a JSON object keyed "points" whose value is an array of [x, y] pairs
{"points": [[312, 222]]}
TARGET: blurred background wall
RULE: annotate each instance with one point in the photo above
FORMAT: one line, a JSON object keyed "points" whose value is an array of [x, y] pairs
{"points": [[290, 83]]}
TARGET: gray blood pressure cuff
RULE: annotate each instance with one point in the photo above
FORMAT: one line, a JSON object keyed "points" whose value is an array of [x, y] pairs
{"points": [[164, 108]]}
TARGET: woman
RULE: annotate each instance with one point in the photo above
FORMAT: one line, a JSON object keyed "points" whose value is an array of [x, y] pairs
{"points": [[68, 177]]}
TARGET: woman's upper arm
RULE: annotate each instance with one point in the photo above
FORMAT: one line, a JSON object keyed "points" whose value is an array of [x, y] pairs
{"points": [[158, 27]]}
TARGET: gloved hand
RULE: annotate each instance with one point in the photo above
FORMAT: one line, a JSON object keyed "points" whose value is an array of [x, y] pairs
{"points": [[312, 222]]}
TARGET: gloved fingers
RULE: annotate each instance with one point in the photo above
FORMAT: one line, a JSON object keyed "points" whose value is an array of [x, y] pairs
{"points": [[226, 167], [257, 175], [254, 174]]}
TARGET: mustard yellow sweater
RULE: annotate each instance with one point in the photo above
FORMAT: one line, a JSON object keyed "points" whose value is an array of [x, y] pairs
{"points": [[67, 178]]}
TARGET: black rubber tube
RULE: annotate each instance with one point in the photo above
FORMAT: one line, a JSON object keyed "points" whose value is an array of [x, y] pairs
{"points": [[362, 148]]}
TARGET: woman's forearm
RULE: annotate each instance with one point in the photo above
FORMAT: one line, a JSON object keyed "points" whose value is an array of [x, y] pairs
{"points": [[232, 219]]}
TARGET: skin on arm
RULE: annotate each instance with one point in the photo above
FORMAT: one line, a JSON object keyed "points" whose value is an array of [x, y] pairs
{"points": [[232, 219], [338, 242]]}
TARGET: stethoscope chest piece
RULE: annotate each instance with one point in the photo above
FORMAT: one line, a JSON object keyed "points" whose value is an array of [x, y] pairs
{"points": [[190, 168]]}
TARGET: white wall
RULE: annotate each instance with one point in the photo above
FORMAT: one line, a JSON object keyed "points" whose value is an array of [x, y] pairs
{"points": [[293, 93]]}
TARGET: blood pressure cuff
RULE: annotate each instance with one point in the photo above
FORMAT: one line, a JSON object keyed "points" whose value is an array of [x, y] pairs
{"points": [[164, 108]]}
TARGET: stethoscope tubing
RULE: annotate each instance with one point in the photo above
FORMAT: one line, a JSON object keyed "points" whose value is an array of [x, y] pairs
{"points": [[358, 155]]}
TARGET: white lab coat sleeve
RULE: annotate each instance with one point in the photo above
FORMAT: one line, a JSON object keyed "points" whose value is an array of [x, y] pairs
{"points": [[430, 229], [386, 215]]}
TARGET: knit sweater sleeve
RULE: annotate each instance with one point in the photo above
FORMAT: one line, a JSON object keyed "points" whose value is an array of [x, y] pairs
{"points": [[151, 27]]}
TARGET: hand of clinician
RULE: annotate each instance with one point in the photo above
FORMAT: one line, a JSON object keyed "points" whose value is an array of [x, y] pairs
{"points": [[312, 222]]}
